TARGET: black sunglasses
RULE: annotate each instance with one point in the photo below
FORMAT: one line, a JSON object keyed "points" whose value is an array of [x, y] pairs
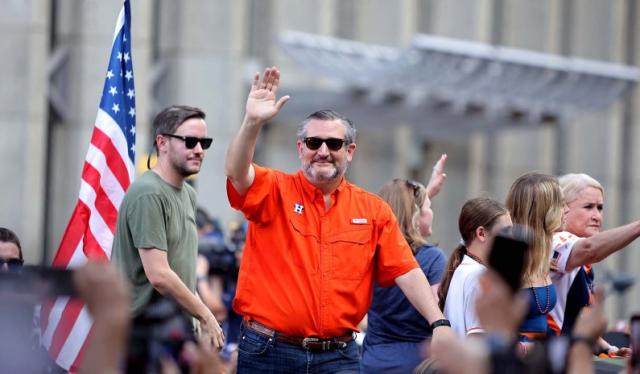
{"points": [[12, 263], [191, 141], [314, 143]]}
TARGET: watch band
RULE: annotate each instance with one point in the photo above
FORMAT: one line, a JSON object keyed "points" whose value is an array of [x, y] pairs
{"points": [[440, 322]]}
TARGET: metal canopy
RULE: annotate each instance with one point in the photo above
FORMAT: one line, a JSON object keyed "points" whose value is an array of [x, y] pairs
{"points": [[448, 86]]}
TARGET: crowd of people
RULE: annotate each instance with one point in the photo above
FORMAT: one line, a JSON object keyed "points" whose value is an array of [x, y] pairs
{"points": [[320, 258]]}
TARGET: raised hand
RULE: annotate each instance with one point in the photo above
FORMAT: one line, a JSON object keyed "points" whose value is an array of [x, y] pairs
{"points": [[261, 102], [438, 176]]}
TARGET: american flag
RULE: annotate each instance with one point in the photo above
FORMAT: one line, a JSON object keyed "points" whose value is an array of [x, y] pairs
{"points": [[107, 173]]}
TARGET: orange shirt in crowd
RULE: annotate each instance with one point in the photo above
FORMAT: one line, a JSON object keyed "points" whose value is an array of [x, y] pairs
{"points": [[306, 270]]}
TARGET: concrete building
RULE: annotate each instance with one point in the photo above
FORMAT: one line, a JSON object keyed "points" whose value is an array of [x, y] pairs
{"points": [[203, 52]]}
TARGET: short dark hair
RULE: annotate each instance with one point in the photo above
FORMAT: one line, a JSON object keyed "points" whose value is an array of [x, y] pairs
{"points": [[169, 119], [350, 131], [9, 236]]}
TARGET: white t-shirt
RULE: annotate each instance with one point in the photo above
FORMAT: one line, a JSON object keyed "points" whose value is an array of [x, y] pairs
{"points": [[562, 277], [460, 305]]}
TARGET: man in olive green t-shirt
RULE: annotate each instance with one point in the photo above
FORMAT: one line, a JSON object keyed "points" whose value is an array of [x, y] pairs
{"points": [[156, 242]]}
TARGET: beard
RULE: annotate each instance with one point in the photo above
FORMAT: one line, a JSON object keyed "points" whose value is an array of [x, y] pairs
{"points": [[185, 169], [314, 175]]}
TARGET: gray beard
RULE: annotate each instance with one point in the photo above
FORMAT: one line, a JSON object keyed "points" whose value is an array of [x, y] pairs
{"points": [[322, 179]]}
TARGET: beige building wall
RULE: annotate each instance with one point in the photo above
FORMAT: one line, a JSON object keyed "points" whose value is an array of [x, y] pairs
{"points": [[203, 53]]}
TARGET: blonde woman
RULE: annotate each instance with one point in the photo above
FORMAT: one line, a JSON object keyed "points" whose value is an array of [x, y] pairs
{"points": [[395, 328], [580, 244], [535, 201]]}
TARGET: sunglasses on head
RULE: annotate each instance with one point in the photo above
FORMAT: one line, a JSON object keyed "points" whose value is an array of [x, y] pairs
{"points": [[314, 143], [414, 186], [12, 263], [191, 141]]}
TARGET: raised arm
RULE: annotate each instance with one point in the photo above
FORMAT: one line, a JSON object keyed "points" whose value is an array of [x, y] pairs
{"points": [[261, 107], [438, 176], [597, 247]]}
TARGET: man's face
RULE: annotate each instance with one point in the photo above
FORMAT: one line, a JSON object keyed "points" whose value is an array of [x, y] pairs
{"points": [[184, 160], [583, 216], [9, 253], [323, 165]]}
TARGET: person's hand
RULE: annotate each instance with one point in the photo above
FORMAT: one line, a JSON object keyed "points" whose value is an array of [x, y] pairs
{"points": [[591, 322], [621, 352], [261, 103], [438, 176], [454, 355], [442, 335], [201, 357], [211, 330], [499, 310], [103, 290]]}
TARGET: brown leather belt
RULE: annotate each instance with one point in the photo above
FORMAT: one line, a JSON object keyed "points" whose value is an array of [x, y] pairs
{"points": [[308, 343]]}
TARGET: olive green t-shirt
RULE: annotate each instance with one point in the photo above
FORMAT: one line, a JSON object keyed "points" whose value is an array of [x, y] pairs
{"points": [[155, 214]]}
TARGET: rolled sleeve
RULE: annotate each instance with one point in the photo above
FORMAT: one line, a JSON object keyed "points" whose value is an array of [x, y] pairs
{"points": [[561, 248], [256, 203]]}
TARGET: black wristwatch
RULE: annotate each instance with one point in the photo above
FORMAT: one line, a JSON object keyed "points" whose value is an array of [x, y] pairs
{"points": [[440, 322]]}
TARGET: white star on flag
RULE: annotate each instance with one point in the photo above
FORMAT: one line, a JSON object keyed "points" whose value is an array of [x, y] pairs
{"points": [[126, 57], [119, 56], [115, 108], [109, 74], [133, 130], [113, 90], [128, 75], [132, 112], [130, 94]]}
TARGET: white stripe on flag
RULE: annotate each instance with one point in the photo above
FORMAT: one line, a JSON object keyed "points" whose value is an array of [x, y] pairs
{"points": [[107, 125], [54, 318], [78, 258], [73, 344], [108, 180], [119, 24], [97, 225]]}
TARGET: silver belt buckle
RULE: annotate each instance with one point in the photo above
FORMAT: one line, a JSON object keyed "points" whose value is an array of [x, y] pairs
{"points": [[305, 341]]}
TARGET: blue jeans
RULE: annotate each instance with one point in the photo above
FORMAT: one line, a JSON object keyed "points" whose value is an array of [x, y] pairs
{"points": [[258, 353]]}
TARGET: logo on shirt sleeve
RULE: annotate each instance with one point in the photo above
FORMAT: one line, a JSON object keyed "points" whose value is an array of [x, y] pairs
{"points": [[359, 221], [554, 260], [298, 208]]}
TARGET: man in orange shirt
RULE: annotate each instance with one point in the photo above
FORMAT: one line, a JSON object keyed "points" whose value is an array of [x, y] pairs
{"points": [[315, 245]]}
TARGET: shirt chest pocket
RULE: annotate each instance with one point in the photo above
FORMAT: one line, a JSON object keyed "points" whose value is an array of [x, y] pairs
{"points": [[351, 253]]}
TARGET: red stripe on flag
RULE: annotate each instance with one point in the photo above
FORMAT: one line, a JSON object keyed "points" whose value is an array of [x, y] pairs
{"points": [[72, 235], [92, 248], [103, 204], [68, 319], [115, 162]]}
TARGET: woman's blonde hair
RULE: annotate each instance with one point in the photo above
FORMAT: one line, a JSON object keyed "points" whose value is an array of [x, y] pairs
{"points": [[406, 198], [535, 201], [572, 184]]}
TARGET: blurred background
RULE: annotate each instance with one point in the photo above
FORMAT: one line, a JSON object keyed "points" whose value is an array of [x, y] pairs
{"points": [[502, 86]]}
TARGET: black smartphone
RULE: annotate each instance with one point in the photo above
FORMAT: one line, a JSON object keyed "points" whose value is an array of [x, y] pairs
{"points": [[36, 283], [508, 255], [635, 343]]}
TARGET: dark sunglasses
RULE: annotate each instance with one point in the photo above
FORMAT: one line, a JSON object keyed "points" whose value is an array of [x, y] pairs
{"points": [[314, 143], [191, 141], [12, 263]]}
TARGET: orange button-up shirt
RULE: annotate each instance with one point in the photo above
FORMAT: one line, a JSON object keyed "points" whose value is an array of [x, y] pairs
{"points": [[307, 270]]}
